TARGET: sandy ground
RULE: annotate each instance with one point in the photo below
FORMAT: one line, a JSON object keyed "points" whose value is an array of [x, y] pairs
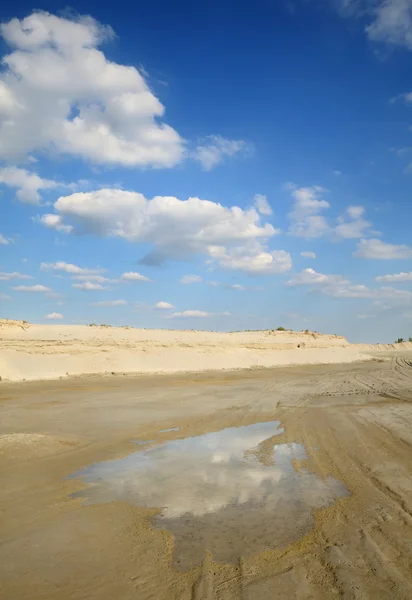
{"points": [[37, 352], [355, 421]]}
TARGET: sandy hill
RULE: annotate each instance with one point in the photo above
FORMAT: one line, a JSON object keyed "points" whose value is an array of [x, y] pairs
{"points": [[29, 351]]}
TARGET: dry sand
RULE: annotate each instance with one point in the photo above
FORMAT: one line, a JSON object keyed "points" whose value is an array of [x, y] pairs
{"points": [[354, 420], [32, 352]]}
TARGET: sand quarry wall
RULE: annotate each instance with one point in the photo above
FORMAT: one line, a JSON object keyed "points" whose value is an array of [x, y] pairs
{"points": [[29, 352]]}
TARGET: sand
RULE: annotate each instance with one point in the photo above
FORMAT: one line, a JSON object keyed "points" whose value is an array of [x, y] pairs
{"points": [[30, 352], [354, 421]]}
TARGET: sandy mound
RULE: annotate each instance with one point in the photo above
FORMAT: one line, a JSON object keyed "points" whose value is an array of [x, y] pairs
{"points": [[52, 351]]}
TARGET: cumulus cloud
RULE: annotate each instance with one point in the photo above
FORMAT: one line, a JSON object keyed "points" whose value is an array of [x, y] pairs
{"points": [[54, 316], [352, 224], [26, 183], [252, 259], [198, 314], [58, 92], [374, 248], [187, 279], [3, 240], [55, 222], [134, 276], [31, 288], [14, 275], [237, 286], [109, 303], [88, 286], [4, 297], [337, 286], [176, 228], [388, 21], [262, 205], [391, 22], [306, 220], [68, 268], [213, 150], [348, 290], [311, 277], [395, 278], [95, 278], [163, 306], [308, 254]]}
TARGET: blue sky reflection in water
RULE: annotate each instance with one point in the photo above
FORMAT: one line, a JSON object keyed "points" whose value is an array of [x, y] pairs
{"points": [[233, 492]]}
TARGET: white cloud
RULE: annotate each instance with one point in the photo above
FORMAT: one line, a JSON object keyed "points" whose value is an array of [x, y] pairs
{"points": [[198, 314], [58, 92], [395, 278], [252, 259], [388, 21], [237, 286], [348, 290], [54, 295], [54, 316], [27, 184], [305, 220], [95, 278], [308, 254], [31, 288], [351, 224], [337, 286], [14, 275], [262, 205], [311, 277], [163, 305], [54, 222], [3, 240], [304, 217], [4, 297], [391, 22], [133, 276], [337, 172], [88, 286], [68, 268], [176, 228], [215, 148], [377, 249], [187, 279], [109, 303]]}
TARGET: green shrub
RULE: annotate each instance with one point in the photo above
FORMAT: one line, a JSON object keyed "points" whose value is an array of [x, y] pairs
{"points": [[280, 329]]}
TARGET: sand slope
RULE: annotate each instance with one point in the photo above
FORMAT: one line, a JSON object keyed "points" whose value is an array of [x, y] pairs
{"points": [[50, 351]]}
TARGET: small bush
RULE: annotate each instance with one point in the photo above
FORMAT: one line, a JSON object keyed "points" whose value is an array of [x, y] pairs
{"points": [[399, 341], [410, 339], [280, 329]]}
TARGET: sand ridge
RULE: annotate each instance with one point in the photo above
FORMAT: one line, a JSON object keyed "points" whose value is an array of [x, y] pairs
{"points": [[29, 351]]}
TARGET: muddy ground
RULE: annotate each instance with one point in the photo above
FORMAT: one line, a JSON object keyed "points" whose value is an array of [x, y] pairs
{"points": [[355, 422]]}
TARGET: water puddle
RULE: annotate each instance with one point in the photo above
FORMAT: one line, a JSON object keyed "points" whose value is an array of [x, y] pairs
{"points": [[234, 492]]}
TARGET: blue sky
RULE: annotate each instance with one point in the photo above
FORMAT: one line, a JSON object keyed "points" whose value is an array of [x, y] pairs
{"points": [[208, 165]]}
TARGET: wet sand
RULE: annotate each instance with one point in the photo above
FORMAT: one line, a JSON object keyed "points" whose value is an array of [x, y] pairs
{"points": [[354, 422]]}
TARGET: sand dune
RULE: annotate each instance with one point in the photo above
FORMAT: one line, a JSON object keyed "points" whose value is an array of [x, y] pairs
{"points": [[50, 351]]}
